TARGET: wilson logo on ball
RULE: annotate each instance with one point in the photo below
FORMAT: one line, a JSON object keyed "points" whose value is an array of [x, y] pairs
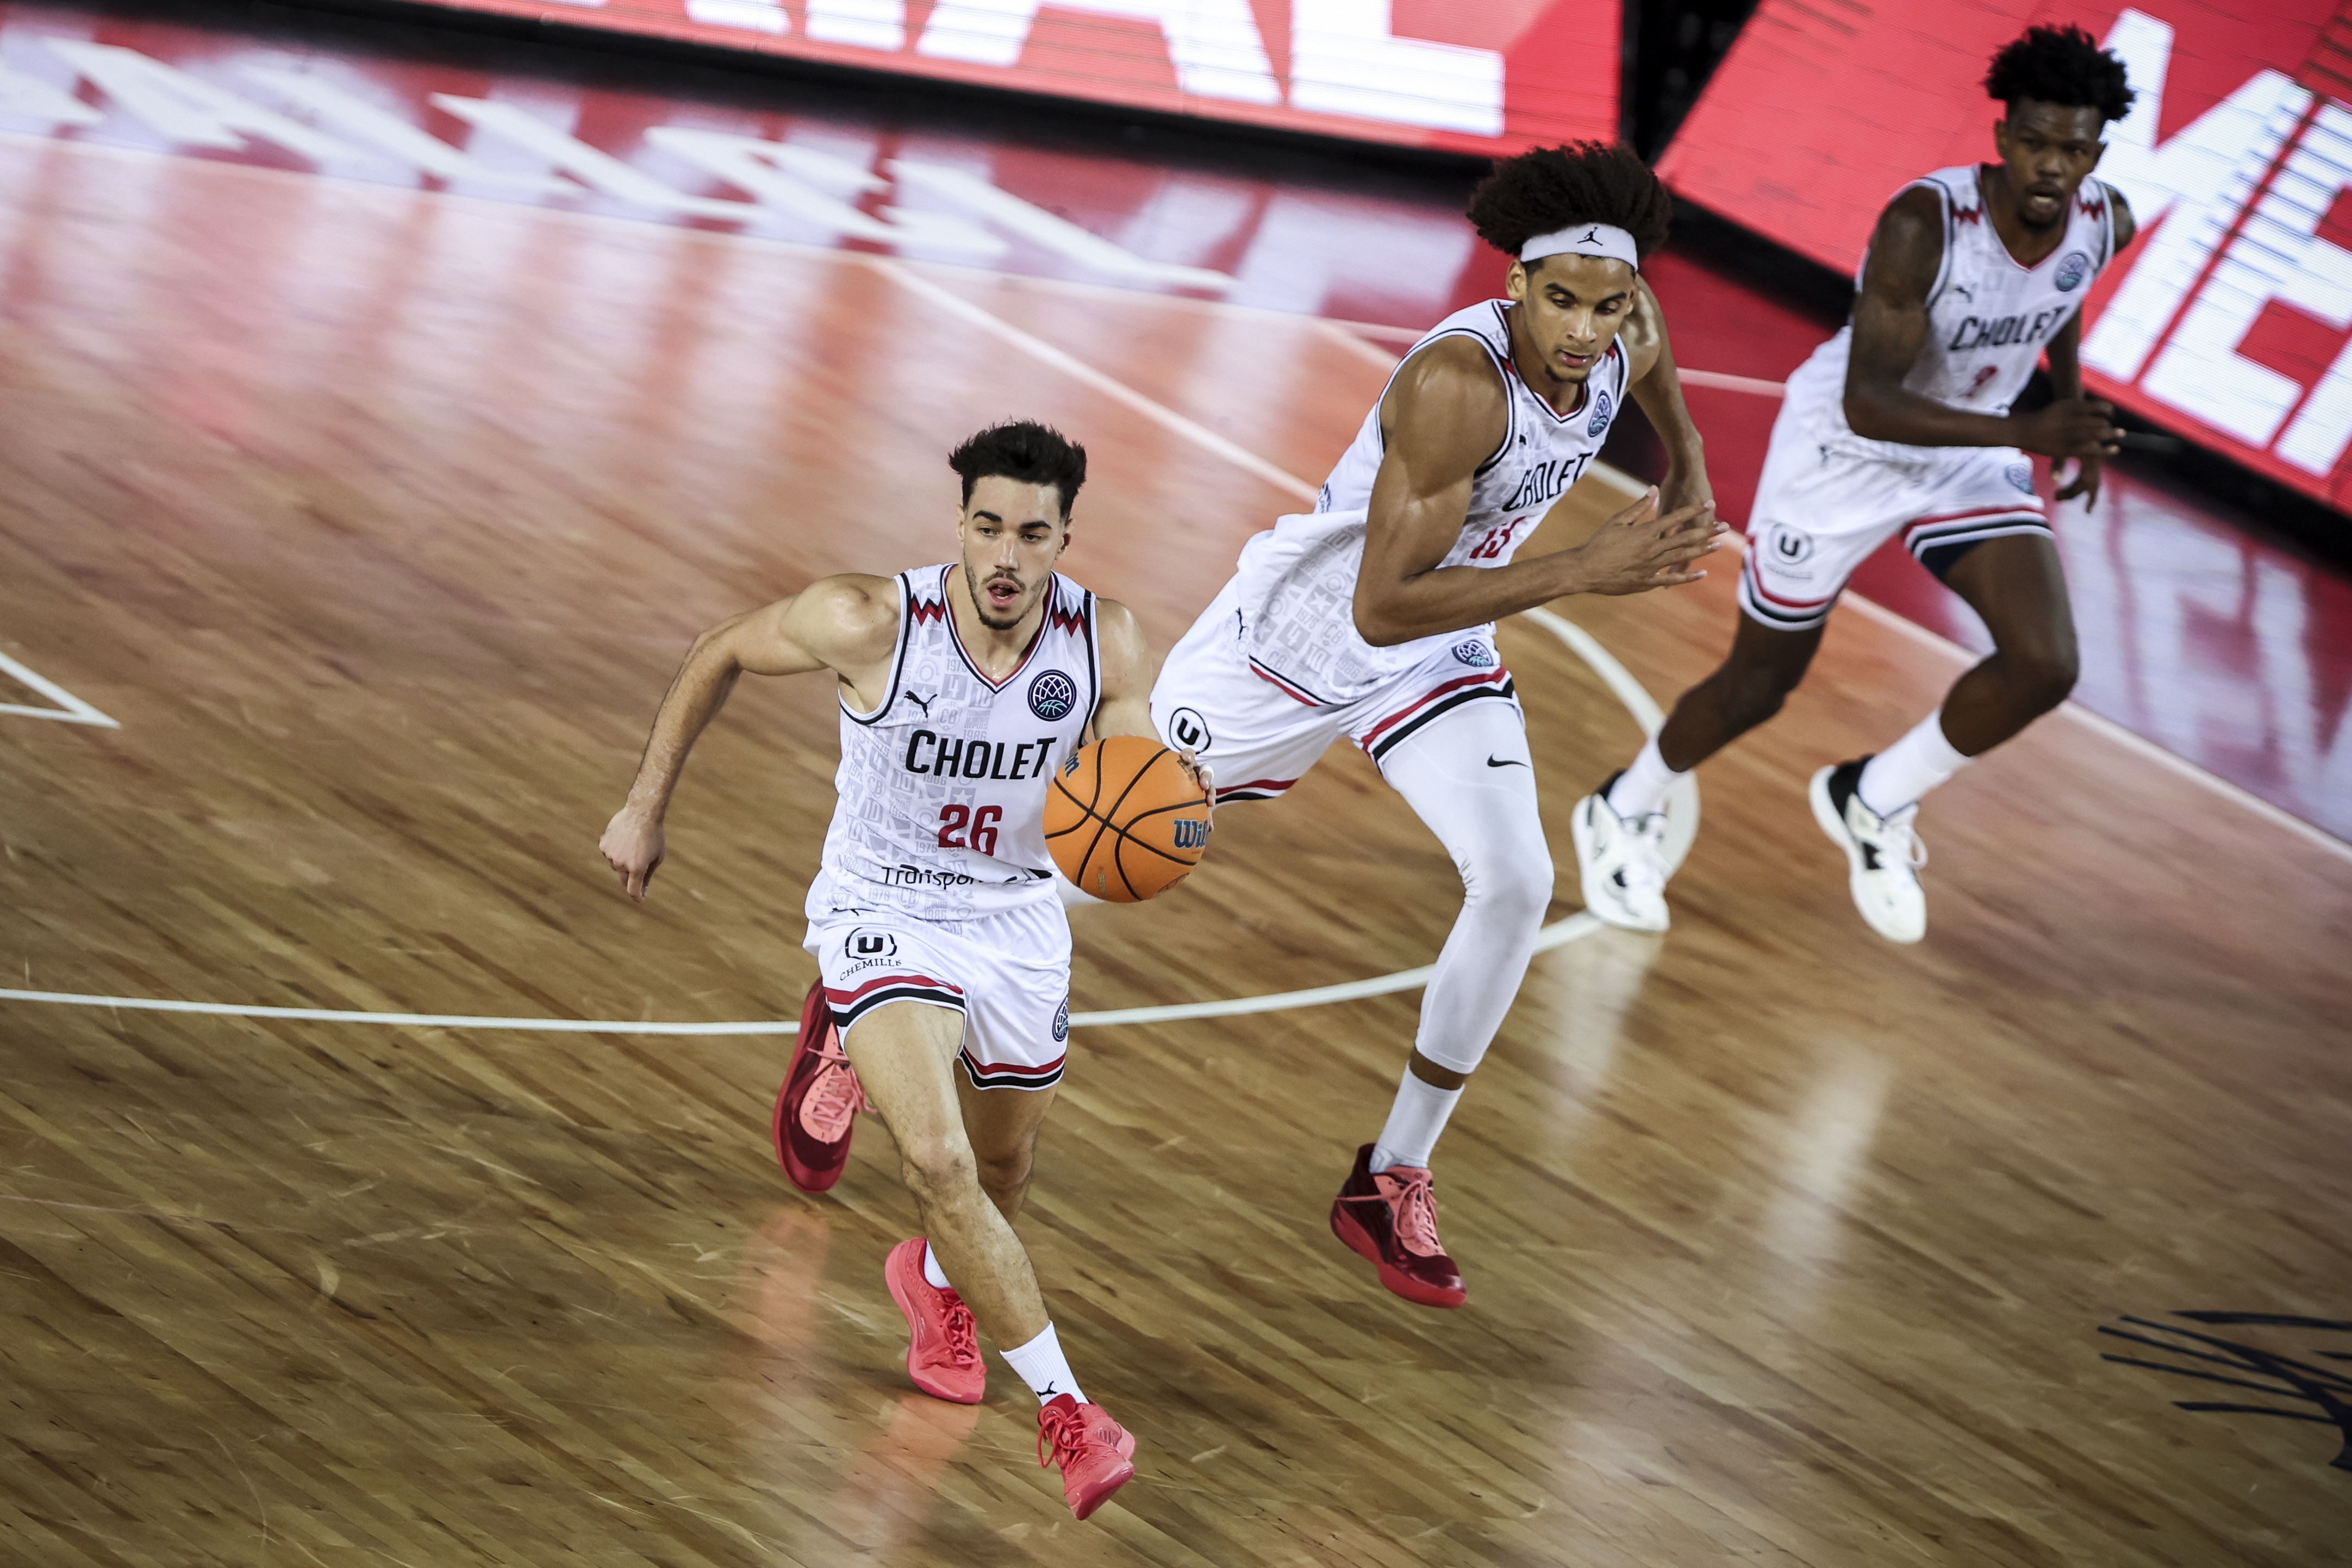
{"points": [[1124, 820]]}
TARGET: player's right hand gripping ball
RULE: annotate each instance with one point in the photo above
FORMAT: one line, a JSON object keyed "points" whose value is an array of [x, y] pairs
{"points": [[1124, 820]]}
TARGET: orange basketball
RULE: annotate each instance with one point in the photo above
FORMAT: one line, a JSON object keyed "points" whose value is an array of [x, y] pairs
{"points": [[1124, 820]]}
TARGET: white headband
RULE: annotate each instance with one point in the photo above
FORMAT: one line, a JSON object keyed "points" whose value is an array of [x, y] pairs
{"points": [[1604, 240]]}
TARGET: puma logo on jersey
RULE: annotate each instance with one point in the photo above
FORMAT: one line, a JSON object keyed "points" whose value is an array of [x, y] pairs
{"points": [[949, 757], [923, 703]]}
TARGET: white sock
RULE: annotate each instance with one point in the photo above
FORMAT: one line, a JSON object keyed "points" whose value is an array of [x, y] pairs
{"points": [[1910, 767], [1641, 788], [1415, 1122], [1041, 1365], [933, 1275]]}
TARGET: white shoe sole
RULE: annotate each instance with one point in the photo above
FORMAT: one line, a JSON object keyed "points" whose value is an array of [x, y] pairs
{"points": [[1825, 812], [1601, 900]]}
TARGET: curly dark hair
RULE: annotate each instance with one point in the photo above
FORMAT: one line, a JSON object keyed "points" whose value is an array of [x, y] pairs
{"points": [[2063, 65], [1025, 450], [1548, 188]]}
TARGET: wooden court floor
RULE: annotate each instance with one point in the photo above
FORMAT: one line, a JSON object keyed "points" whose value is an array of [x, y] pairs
{"points": [[379, 521]]}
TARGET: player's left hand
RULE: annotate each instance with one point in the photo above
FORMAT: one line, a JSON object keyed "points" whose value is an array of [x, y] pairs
{"points": [[2085, 482], [1205, 776]]}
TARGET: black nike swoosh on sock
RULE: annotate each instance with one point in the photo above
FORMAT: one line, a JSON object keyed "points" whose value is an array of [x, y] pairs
{"points": [[1505, 762]]}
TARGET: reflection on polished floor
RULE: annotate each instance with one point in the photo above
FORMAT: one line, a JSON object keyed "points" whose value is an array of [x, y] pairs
{"points": [[378, 520]]}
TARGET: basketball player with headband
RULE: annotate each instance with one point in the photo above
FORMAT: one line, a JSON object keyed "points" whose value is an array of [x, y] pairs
{"points": [[937, 930], [1904, 422], [1373, 616]]}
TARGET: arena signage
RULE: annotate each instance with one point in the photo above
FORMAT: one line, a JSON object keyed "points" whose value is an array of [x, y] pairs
{"points": [[1468, 75], [2230, 320]]}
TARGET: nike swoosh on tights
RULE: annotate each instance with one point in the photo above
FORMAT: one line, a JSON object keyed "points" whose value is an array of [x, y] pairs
{"points": [[1505, 762]]}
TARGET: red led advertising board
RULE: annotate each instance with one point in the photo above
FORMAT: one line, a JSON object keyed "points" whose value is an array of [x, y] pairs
{"points": [[1476, 76], [2230, 321]]}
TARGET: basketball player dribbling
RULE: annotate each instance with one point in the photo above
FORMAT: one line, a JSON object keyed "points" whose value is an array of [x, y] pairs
{"points": [[1903, 422], [1372, 617], [935, 918]]}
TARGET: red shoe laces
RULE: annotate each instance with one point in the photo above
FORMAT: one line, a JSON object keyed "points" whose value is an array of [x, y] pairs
{"points": [[1059, 1431], [1413, 1209], [963, 1344]]}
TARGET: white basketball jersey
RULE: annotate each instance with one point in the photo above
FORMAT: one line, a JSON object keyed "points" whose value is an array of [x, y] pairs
{"points": [[1298, 580], [1988, 318], [942, 786]]}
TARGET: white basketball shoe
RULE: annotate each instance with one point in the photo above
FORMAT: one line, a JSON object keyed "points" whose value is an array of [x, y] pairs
{"points": [[1623, 862], [1883, 855]]}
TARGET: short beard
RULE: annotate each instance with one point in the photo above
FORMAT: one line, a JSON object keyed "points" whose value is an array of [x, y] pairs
{"points": [[980, 609]]}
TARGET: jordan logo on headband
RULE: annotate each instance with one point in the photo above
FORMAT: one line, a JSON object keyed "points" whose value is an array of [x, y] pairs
{"points": [[1604, 240]]}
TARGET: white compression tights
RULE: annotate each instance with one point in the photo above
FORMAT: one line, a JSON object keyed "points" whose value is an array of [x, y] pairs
{"points": [[1469, 777]]}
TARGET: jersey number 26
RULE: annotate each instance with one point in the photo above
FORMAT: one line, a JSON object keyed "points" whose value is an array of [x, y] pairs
{"points": [[954, 820]]}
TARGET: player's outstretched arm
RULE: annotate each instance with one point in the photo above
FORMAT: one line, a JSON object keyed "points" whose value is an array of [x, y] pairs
{"points": [[1442, 418], [847, 624], [1128, 668], [1657, 386], [1890, 327]]}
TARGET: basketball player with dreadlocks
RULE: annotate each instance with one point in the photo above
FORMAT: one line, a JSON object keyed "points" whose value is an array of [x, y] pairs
{"points": [[1373, 616], [1904, 421]]}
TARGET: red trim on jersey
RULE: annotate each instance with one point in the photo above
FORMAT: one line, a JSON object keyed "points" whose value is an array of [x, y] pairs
{"points": [[1295, 694], [1493, 677], [1036, 639]]}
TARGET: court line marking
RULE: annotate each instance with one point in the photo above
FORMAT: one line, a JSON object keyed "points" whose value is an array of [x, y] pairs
{"points": [[1558, 934], [71, 709], [1620, 680]]}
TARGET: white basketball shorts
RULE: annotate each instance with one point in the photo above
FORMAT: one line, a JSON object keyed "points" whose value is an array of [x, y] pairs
{"points": [[1261, 733], [1824, 503], [1007, 972]]}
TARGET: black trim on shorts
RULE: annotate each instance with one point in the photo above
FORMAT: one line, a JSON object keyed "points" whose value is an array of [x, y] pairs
{"points": [[1508, 690], [910, 992], [1940, 554], [1010, 1080]]}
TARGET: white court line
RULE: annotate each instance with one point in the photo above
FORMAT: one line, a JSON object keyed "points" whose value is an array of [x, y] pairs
{"points": [[71, 709], [1559, 933], [1619, 680]]}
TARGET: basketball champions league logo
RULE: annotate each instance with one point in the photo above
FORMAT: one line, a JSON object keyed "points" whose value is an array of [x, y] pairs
{"points": [[1052, 695]]}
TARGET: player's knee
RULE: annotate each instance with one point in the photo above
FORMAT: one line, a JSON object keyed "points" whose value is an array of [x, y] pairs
{"points": [[1751, 695], [1004, 1174], [2046, 675], [1511, 890], [939, 1168]]}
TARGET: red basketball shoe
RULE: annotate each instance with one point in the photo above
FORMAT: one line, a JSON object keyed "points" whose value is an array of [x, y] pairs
{"points": [[817, 1109], [1390, 1218], [943, 1357], [1096, 1453]]}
